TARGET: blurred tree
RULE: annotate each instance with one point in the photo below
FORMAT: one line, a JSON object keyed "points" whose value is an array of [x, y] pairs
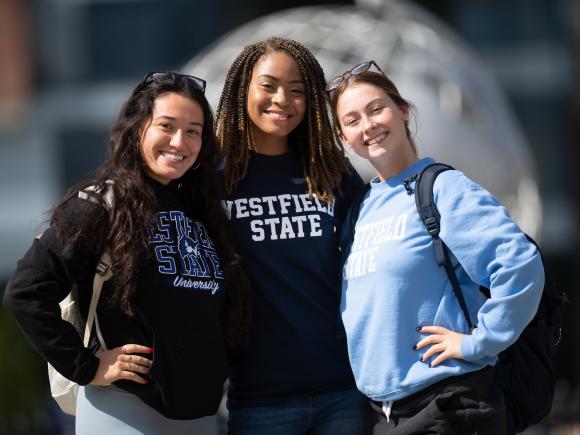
{"points": [[22, 371]]}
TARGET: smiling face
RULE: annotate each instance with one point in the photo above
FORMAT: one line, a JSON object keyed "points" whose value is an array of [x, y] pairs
{"points": [[373, 126], [276, 101], [172, 138]]}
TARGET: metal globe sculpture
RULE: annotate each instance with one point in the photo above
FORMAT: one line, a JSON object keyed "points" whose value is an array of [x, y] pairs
{"points": [[461, 117]]}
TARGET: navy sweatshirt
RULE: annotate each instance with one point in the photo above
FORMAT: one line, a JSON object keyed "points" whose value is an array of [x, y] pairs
{"points": [[289, 247], [180, 295]]}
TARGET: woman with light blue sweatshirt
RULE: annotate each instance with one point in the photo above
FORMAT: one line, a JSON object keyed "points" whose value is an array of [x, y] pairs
{"points": [[410, 347]]}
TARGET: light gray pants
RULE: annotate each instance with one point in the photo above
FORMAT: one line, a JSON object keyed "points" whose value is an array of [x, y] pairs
{"points": [[112, 411]]}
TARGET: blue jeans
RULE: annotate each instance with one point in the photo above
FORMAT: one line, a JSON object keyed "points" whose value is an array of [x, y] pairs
{"points": [[337, 413]]}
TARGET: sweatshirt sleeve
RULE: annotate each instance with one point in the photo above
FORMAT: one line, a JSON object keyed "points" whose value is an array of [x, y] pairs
{"points": [[43, 278], [494, 253], [350, 185]]}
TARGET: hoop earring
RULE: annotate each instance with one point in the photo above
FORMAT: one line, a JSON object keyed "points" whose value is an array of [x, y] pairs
{"points": [[193, 168]]}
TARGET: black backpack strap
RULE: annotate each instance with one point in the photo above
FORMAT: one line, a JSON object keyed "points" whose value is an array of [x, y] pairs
{"points": [[431, 219]]}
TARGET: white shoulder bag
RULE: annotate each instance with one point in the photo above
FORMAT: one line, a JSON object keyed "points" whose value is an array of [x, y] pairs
{"points": [[63, 389]]}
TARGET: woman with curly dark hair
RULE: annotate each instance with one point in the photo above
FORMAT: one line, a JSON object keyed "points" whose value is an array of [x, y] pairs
{"points": [[177, 296], [288, 185]]}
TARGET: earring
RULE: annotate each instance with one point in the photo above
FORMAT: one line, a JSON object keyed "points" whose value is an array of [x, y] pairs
{"points": [[193, 168], [251, 144]]}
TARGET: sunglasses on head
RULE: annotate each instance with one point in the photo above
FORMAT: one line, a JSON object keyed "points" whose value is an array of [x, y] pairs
{"points": [[171, 76], [354, 71]]}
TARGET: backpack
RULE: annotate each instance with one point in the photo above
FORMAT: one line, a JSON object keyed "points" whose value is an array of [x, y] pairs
{"points": [[525, 370], [63, 390]]}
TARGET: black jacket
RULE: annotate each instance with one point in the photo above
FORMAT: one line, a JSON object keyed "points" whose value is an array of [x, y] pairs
{"points": [[179, 302]]}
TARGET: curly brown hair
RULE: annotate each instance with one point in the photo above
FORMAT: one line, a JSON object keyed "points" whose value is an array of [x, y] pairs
{"points": [[323, 157], [123, 230]]}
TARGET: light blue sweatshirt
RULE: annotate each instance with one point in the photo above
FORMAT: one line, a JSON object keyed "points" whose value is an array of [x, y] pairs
{"points": [[392, 283]]}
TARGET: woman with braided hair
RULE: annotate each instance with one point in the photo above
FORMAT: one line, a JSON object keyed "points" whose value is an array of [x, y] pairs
{"points": [[288, 185]]}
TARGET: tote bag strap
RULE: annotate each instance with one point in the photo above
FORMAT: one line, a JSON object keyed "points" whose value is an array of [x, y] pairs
{"points": [[103, 273]]}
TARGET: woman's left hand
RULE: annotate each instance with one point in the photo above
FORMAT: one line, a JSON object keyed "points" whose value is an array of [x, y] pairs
{"points": [[445, 342]]}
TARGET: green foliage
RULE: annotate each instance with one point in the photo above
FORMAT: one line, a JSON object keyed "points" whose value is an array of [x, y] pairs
{"points": [[23, 379]]}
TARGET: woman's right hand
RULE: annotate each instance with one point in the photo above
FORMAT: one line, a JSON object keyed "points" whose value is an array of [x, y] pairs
{"points": [[121, 363]]}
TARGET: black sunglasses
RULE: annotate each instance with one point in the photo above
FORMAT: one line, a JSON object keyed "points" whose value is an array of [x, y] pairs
{"points": [[355, 70], [171, 76]]}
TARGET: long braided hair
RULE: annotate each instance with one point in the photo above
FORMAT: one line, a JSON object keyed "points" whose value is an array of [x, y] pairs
{"points": [[323, 156]]}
